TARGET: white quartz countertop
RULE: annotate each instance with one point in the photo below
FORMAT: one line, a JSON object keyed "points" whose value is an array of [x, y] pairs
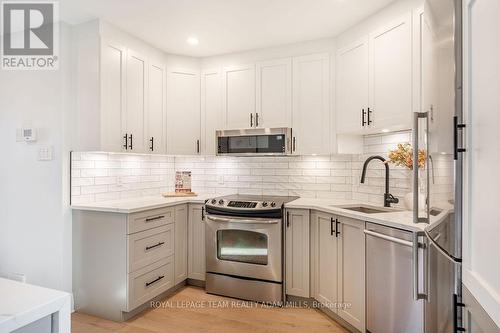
{"points": [[402, 219], [22, 304], [399, 219], [134, 205]]}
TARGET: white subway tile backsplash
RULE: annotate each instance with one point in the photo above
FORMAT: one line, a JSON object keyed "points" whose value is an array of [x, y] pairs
{"points": [[109, 176]]}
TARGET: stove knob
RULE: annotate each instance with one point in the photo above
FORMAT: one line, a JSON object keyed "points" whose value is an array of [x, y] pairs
{"points": [[273, 204], [214, 201], [221, 202], [264, 204]]}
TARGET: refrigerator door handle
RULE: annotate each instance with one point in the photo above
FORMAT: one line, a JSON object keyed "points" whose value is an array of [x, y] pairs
{"points": [[416, 218], [416, 266]]}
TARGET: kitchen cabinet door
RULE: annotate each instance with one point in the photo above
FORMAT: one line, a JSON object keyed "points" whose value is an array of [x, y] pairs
{"points": [[136, 102], [183, 112], [211, 109], [351, 271], [181, 243], [311, 104], [239, 96], [297, 252], [274, 93], [196, 243], [391, 75], [113, 62], [481, 188], [324, 259], [157, 109], [352, 87]]}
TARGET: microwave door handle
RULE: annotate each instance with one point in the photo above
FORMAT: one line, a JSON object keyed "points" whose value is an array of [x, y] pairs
{"points": [[240, 220]]}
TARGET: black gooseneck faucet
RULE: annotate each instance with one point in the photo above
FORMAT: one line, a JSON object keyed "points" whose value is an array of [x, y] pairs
{"points": [[388, 198]]}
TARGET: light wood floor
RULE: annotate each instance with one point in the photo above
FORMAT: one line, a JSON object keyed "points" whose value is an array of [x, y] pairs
{"points": [[179, 317]]}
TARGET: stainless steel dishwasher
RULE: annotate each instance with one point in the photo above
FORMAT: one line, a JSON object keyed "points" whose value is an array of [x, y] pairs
{"points": [[390, 274]]}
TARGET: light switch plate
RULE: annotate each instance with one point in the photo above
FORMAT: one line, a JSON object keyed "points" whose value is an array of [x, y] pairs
{"points": [[46, 153]]}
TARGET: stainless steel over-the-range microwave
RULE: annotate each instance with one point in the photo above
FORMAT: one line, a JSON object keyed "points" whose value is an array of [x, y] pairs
{"points": [[255, 141]]}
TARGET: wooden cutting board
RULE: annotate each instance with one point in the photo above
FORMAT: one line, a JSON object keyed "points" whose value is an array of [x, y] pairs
{"points": [[179, 194]]}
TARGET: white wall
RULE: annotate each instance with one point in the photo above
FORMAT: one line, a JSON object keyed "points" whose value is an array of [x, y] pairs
{"points": [[289, 50], [35, 222]]}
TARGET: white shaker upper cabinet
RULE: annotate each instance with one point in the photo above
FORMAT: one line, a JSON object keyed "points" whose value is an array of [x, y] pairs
{"points": [[183, 112], [113, 62], [136, 102], [391, 75], [239, 96], [211, 109], [157, 109], [274, 93], [311, 104], [352, 87]]}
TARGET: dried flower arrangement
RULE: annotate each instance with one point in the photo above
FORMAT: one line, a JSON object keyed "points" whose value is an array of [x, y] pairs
{"points": [[403, 156]]}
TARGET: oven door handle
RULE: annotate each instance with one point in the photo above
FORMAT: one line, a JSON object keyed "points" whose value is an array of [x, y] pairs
{"points": [[240, 220]]}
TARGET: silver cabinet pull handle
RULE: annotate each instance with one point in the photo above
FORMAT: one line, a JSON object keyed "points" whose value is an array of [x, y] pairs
{"points": [[251, 119], [416, 271], [388, 238], [416, 218], [257, 120]]}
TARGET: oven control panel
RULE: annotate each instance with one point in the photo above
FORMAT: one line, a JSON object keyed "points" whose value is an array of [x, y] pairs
{"points": [[242, 204]]}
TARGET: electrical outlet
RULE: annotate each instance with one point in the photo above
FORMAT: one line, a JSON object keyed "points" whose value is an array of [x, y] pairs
{"points": [[220, 180], [46, 153]]}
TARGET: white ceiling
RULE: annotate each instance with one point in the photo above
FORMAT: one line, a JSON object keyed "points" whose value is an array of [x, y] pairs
{"points": [[223, 26]]}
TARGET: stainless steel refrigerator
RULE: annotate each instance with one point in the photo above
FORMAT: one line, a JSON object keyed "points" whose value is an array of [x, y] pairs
{"points": [[438, 130]]}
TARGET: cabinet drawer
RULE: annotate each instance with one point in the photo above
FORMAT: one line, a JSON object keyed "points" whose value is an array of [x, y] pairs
{"points": [[147, 247], [150, 219], [149, 282]]}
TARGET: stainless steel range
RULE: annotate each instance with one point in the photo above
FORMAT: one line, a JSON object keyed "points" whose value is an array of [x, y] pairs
{"points": [[244, 247]]}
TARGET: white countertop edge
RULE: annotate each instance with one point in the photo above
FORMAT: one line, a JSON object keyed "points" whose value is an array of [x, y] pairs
{"points": [[36, 306], [135, 205], [397, 219]]}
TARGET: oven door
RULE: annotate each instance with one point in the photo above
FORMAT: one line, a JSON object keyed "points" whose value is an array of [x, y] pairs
{"points": [[244, 247]]}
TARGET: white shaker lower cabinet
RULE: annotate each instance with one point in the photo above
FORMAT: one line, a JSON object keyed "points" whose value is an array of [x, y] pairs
{"points": [[181, 243], [122, 261], [338, 266], [196, 243], [324, 256], [351, 271], [297, 252]]}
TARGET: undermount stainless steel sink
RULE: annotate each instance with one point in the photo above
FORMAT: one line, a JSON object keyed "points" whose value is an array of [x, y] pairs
{"points": [[366, 209]]}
